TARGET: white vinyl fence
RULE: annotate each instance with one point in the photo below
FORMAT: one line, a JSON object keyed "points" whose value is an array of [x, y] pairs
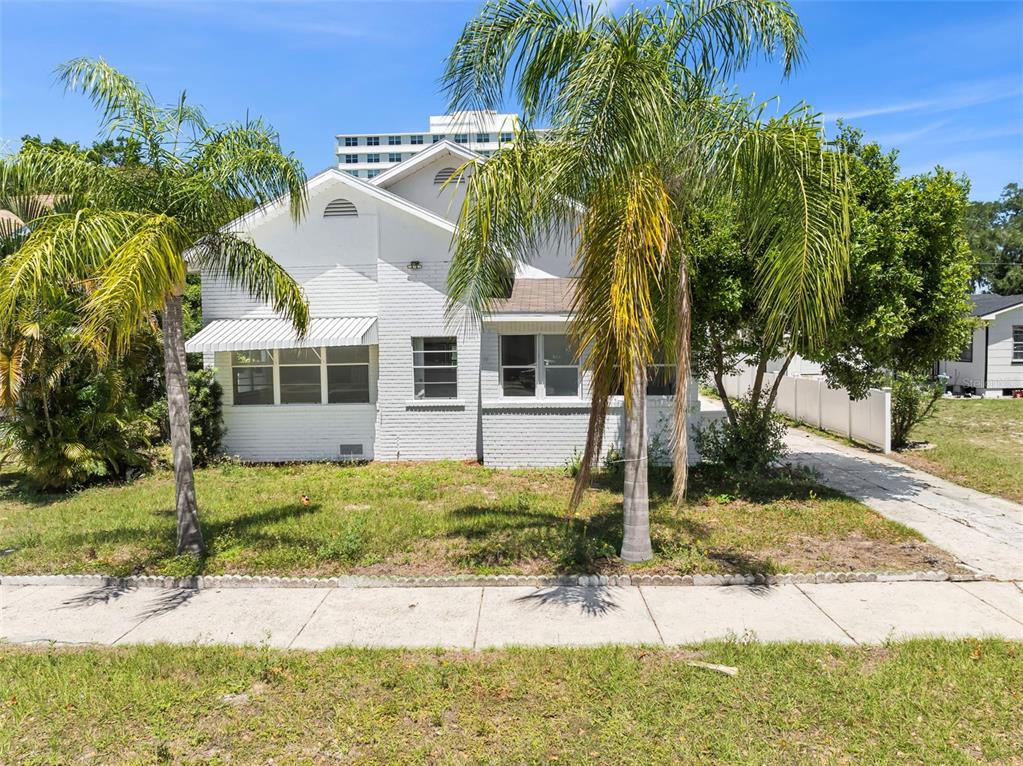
{"points": [[810, 401]]}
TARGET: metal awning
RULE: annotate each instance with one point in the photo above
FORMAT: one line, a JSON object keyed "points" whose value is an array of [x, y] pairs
{"points": [[265, 334]]}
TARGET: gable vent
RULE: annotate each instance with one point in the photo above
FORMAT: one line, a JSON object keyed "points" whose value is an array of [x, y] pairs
{"points": [[444, 174], [340, 207]]}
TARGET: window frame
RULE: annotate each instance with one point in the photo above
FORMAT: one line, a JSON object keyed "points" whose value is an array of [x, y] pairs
{"points": [[506, 137], [372, 140], [416, 367], [1017, 344], [373, 158], [966, 354], [394, 157], [461, 138], [482, 138], [351, 159], [351, 141], [394, 140], [372, 172], [275, 373], [416, 139], [539, 367], [438, 137]]}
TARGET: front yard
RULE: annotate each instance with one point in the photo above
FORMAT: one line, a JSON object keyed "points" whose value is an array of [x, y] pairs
{"points": [[977, 443], [445, 518], [927, 702]]}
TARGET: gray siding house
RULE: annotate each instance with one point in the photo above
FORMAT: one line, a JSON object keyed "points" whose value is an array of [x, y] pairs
{"points": [[383, 373], [991, 365]]}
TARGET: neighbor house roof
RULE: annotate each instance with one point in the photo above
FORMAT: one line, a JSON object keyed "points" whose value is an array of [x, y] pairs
{"points": [[987, 305], [538, 296]]}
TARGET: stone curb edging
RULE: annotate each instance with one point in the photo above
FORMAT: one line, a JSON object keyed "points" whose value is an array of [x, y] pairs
{"points": [[360, 581]]}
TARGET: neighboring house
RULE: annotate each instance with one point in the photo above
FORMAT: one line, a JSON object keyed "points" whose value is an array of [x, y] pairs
{"points": [[367, 155], [992, 363], [382, 372]]}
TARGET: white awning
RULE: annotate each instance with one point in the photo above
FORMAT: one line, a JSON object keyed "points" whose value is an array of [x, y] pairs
{"points": [[265, 334]]}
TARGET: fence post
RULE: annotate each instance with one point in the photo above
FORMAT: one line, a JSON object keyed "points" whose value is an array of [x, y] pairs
{"points": [[820, 404]]}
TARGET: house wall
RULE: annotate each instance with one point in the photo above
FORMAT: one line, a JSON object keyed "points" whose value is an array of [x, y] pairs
{"points": [[1001, 372], [444, 200]]}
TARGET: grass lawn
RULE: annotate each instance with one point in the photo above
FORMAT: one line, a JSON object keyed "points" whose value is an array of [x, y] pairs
{"points": [[925, 702], [977, 443], [444, 518]]}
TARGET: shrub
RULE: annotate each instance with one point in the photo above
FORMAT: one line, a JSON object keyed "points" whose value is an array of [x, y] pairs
{"points": [[206, 409], [913, 402], [752, 444], [87, 426]]}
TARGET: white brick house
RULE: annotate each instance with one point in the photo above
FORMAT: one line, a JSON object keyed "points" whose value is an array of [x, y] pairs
{"points": [[383, 373]]}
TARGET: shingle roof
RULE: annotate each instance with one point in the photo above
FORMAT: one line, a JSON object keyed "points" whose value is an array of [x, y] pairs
{"points": [[538, 296], [989, 303]]}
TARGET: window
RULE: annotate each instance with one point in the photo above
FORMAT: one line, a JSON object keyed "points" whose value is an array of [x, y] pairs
{"points": [[394, 140], [483, 138], [966, 355], [506, 137], [1017, 344], [354, 173], [520, 375], [351, 141], [394, 157], [435, 368], [461, 138], [351, 159], [372, 140], [518, 365], [299, 370], [660, 380], [347, 374], [415, 140], [340, 208], [372, 173], [252, 374], [372, 158], [439, 137], [560, 370]]}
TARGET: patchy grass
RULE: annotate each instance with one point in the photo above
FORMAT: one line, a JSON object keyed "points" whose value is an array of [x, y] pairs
{"points": [[924, 702], [445, 518], [977, 443]]}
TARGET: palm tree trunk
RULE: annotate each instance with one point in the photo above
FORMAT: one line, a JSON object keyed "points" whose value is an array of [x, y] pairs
{"points": [[176, 374], [636, 499], [680, 419]]}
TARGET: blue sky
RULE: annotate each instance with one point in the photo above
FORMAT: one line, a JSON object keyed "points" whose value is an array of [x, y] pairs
{"points": [[941, 81]]}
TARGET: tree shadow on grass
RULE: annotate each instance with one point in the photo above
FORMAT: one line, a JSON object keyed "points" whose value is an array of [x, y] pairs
{"points": [[249, 529]]}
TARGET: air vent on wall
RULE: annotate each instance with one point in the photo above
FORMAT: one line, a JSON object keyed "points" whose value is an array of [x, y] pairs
{"points": [[340, 207], [444, 174]]}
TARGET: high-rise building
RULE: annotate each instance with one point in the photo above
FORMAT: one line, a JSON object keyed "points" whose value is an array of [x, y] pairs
{"points": [[366, 155]]}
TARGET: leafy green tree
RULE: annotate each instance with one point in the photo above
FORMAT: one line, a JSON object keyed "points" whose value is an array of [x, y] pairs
{"points": [[906, 304], [995, 231], [639, 133], [128, 242]]}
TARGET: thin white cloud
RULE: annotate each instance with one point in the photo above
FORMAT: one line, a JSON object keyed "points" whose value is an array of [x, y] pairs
{"points": [[959, 97]]}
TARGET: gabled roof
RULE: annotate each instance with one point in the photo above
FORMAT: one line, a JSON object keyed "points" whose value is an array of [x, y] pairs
{"points": [[987, 305], [333, 175], [418, 160]]}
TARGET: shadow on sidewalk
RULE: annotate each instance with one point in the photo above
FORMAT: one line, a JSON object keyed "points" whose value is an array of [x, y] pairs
{"points": [[594, 600]]}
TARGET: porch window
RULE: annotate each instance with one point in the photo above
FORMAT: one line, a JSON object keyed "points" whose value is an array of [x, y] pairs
{"points": [[300, 375], [252, 375], [1017, 344], [347, 374], [435, 368], [518, 365], [560, 370]]}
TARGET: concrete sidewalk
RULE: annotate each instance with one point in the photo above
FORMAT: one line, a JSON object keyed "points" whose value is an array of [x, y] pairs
{"points": [[481, 617], [984, 532]]}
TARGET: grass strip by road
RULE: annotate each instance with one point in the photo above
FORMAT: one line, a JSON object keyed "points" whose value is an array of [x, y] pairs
{"points": [[926, 701]]}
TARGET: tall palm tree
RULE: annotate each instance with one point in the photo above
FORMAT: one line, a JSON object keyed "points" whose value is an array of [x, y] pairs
{"points": [[640, 131], [138, 231]]}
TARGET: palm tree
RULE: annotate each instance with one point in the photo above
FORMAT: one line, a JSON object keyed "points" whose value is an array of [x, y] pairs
{"points": [[640, 133], [137, 232]]}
